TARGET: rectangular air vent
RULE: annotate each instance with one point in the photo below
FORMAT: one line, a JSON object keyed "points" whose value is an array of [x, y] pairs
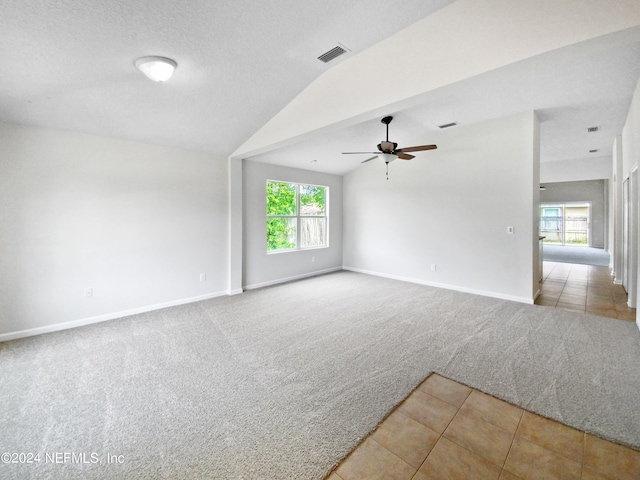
{"points": [[333, 53], [593, 129], [447, 125], [593, 151]]}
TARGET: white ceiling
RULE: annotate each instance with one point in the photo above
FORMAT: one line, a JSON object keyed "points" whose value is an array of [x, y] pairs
{"points": [[70, 65], [572, 89]]}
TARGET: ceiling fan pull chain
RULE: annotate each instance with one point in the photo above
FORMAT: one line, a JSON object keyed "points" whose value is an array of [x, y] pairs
{"points": [[387, 164]]}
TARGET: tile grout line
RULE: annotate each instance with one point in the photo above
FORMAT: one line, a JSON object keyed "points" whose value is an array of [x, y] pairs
{"points": [[512, 442], [445, 428], [467, 449], [584, 452], [392, 453]]}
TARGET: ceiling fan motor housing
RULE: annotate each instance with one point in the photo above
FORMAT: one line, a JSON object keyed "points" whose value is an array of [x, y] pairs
{"points": [[387, 147]]}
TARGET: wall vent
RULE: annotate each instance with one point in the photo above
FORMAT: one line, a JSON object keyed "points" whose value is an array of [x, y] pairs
{"points": [[593, 129], [593, 151], [447, 125], [333, 53]]}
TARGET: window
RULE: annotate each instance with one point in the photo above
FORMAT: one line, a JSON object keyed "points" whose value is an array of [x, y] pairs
{"points": [[296, 216], [565, 223]]}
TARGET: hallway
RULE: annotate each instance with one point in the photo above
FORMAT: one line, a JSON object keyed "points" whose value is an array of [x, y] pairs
{"points": [[584, 288]]}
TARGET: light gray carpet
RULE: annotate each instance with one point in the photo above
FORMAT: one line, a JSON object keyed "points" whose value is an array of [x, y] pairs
{"points": [[282, 382], [582, 255]]}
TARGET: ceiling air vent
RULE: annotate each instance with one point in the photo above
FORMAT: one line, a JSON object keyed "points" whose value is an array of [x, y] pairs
{"points": [[593, 129], [333, 53], [593, 151], [447, 125]]}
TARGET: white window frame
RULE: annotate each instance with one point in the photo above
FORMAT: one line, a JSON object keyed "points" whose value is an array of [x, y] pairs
{"points": [[298, 216]]}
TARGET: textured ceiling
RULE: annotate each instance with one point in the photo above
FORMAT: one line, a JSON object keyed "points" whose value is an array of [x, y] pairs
{"points": [[572, 89], [70, 64]]}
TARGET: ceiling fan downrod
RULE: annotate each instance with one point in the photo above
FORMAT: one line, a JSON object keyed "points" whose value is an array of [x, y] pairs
{"points": [[387, 121]]}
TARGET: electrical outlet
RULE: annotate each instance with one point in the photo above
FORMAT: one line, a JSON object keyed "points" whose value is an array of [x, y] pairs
{"points": [[313, 259], [203, 277], [88, 292], [433, 267]]}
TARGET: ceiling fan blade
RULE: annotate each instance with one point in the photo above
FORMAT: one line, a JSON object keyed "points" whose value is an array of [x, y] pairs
{"points": [[404, 156], [369, 159], [417, 149], [359, 153]]}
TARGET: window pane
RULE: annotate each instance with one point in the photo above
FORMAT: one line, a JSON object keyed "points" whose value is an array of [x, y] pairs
{"points": [[313, 232], [312, 200], [281, 198], [281, 233]]}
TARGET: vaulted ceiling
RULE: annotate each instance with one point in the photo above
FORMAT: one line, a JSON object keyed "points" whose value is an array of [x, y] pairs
{"points": [[245, 70], [70, 64], [572, 89]]}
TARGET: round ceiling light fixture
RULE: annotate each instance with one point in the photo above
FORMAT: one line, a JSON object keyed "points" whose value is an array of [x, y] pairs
{"points": [[158, 69]]}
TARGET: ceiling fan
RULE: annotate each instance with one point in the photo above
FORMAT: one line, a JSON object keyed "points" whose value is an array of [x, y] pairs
{"points": [[389, 151]]}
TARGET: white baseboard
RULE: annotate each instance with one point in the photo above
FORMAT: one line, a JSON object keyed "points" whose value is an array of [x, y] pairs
{"points": [[290, 279], [101, 318], [445, 286]]}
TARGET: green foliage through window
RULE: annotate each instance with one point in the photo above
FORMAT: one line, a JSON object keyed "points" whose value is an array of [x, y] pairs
{"points": [[296, 216], [312, 200], [281, 233], [281, 198]]}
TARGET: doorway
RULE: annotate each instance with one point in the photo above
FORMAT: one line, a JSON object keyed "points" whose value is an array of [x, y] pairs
{"points": [[625, 234], [566, 223]]}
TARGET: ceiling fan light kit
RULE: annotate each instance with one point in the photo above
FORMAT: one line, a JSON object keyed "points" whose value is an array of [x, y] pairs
{"points": [[387, 157], [389, 151]]}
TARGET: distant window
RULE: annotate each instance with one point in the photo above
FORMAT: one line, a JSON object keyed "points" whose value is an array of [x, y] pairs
{"points": [[550, 212], [565, 223], [296, 216]]}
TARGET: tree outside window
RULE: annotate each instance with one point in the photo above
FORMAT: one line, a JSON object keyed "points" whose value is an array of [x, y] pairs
{"points": [[296, 216]]}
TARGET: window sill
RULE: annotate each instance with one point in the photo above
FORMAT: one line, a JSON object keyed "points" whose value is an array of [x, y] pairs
{"points": [[291, 250]]}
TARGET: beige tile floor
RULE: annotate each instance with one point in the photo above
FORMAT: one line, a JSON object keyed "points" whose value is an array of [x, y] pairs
{"points": [[583, 288], [446, 430]]}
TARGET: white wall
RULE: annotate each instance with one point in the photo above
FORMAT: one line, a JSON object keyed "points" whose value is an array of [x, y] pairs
{"points": [[595, 168], [615, 211], [137, 223], [631, 135], [261, 268], [451, 207], [584, 191], [630, 143], [236, 253]]}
